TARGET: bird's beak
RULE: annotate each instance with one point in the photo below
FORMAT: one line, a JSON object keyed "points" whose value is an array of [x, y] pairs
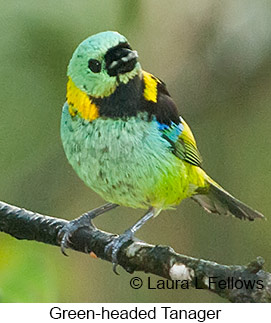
{"points": [[120, 60]]}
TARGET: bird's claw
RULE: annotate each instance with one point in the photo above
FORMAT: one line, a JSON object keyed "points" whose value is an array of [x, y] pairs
{"points": [[64, 243], [112, 248], [67, 232]]}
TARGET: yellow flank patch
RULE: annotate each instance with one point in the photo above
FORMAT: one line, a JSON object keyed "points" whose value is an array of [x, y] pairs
{"points": [[150, 90], [80, 103]]}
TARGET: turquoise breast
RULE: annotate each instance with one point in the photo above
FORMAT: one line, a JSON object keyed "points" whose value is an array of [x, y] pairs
{"points": [[122, 160]]}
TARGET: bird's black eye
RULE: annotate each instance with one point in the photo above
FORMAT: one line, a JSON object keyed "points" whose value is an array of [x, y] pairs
{"points": [[94, 65]]}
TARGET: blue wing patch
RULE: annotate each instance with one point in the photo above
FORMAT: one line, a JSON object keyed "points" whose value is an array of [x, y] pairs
{"points": [[172, 131], [182, 141]]}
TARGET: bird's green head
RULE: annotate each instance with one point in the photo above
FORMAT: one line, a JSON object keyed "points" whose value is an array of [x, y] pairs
{"points": [[101, 62]]}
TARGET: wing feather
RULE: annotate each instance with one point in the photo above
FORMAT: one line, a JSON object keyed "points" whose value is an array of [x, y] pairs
{"points": [[186, 146], [173, 128]]}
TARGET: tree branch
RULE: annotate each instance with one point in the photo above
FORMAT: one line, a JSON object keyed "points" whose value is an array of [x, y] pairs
{"points": [[137, 255]]}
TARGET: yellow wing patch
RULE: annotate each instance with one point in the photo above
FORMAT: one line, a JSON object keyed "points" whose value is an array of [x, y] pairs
{"points": [[150, 90], [186, 147], [80, 103], [187, 133]]}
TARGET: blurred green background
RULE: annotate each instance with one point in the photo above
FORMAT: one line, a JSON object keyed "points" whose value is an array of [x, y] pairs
{"points": [[215, 57]]}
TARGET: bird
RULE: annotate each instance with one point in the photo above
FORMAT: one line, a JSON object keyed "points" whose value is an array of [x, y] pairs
{"points": [[123, 136]]}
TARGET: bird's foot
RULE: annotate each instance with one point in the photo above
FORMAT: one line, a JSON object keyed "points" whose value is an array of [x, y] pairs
{"points": [[68, 230], [84, 221], [112, 248]]}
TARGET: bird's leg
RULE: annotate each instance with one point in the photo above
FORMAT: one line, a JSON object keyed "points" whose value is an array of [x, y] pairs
{"points": [[114, 246], [84, 220]]}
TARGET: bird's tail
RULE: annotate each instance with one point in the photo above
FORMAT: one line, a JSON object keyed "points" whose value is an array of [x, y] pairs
{"points": [[216, 200]]}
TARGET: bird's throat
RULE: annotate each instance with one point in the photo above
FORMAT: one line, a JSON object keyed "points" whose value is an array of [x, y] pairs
{"points": [[80, 103]]}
